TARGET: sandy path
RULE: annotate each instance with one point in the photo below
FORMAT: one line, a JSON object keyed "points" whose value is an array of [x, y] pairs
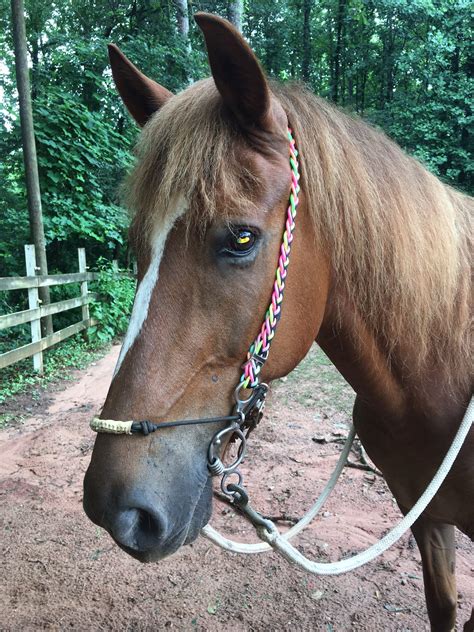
{"points": [[60, 571]]}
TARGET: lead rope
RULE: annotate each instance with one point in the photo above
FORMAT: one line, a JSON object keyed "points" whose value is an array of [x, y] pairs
{"points": [[268, 532], [261, 547]]}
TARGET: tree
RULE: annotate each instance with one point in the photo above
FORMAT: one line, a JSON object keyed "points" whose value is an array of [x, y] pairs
{"points": [[403, 64], [235, 13], [305, 65], [182, 17], [29, 151]]}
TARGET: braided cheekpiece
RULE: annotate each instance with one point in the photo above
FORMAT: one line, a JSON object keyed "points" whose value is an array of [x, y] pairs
{"points": [[259, 349]]}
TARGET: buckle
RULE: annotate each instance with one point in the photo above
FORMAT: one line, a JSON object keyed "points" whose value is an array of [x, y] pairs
{"points": [[258, 359], [252, 407]]}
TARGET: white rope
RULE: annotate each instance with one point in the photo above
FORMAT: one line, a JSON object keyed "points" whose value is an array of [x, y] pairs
{"points": [[260, 547], [280, 544]]}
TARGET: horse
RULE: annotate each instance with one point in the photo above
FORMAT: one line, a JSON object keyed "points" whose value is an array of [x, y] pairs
{"points": [[379, 278]]}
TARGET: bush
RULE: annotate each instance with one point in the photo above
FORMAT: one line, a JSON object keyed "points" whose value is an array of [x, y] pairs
{"points": [[114, 304]]}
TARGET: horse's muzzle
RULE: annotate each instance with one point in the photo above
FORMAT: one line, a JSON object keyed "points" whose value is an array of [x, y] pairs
{"points": [[145, 529]]}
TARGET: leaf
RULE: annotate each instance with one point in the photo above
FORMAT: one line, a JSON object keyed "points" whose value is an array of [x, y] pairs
{"points": [[212, 609], [392, 608]]}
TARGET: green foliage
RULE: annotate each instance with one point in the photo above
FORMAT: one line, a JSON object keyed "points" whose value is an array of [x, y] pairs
{"points": [[21, 334], [426, 105], [81, 159], [405, 65], [114, 305]]}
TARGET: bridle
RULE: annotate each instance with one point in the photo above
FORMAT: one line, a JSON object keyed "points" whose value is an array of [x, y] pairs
{"points": [[247, 411]]}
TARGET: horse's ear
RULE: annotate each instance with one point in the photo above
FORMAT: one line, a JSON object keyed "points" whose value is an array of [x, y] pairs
{"points": [[142, 96], [236, 72]]}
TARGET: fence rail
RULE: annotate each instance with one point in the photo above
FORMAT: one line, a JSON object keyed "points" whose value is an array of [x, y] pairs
{"points": [[27, 315], [27, 282], [36, 311]]}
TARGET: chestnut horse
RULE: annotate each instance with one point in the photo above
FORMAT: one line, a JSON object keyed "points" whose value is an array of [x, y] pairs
{"points": [[379, 277]]}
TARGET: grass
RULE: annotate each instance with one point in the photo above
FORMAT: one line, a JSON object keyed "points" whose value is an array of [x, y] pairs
{"points": [[6, 419], [317, 381], [59, 362]]}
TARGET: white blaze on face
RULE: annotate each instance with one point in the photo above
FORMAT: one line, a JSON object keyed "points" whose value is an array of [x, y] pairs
{"points": [[150, 279]]}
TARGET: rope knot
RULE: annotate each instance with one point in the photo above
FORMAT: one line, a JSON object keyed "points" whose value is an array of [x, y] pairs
{"points": [[147, 427]]}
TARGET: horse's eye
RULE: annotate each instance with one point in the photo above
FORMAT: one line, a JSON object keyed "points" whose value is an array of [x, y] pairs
{"points": [[241, 242]]}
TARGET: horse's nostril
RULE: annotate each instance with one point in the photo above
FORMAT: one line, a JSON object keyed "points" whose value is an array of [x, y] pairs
{"points": [[137, 528], [148, 524]]}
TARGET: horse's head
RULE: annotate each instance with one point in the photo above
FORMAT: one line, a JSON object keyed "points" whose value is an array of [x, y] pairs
{"points": [[210, 192]]}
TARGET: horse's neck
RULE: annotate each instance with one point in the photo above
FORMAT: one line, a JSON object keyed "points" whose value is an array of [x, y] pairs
{"points": [[380, 375]]}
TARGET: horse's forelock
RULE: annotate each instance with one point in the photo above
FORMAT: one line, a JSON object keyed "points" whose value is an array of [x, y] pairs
{"points": [[190, 146]]}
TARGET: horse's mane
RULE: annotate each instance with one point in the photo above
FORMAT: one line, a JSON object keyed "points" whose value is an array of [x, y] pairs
{"points": [[397, 236]]}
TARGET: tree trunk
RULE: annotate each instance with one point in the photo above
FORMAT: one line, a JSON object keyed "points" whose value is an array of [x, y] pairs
{"points": [[235, 10], [182, 17], [29, 150], [330, 39], [387, 75], [464, 178], [341, 9], [182, 23], [362, 92], [34, 69], [305, 67]]}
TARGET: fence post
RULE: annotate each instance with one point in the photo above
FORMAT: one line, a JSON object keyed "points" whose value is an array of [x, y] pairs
{"points": [[81, 254], [34, 303], [115, 266]]}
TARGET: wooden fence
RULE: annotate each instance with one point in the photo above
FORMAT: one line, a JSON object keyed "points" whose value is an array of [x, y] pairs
{"points": [[36, 311]]}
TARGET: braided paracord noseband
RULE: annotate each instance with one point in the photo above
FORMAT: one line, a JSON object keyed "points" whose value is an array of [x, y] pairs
{"points": [[258, 353]]}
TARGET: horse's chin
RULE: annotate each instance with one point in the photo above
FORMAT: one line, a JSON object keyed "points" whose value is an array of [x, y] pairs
{"points": [[185, 535]]}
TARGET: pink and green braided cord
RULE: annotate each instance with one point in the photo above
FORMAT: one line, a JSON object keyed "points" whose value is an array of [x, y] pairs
{"points": [[259, 349]]}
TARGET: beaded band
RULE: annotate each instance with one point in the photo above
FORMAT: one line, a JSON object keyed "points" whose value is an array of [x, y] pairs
{"points": [[258, 352]]}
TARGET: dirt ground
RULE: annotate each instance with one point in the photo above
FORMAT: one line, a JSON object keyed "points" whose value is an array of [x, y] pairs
{"points": [[59, 571]]}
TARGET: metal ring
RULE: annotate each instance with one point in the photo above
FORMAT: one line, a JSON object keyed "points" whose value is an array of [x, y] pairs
{"points": [[240, 403], [224, 488], [259, 393], [214, 446]]}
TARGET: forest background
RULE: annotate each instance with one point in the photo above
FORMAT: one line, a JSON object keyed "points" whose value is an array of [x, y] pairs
{"points": [[404, 65]]}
